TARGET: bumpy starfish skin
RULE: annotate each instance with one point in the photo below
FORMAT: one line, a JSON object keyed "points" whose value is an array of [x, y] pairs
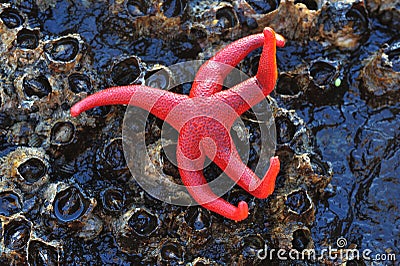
{"points": [[204, 118]]}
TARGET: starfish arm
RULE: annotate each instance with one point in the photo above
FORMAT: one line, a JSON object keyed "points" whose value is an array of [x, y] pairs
{"points": [[191, 153], [267, 72], [242, 96], [245, 177], [197, 186], [158, 102], [250, 92], [211, 75], [223, 152]]}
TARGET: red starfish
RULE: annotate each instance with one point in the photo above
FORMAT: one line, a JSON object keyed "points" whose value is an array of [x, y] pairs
{"points": [[203, 119]]}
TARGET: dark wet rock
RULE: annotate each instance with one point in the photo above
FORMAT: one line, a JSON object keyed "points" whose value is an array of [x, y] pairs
{"points": [[173, 8], [318, 106], [264, 6]]}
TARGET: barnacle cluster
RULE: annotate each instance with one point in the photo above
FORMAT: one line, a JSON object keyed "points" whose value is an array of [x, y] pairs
{"points": [[64, 179]]}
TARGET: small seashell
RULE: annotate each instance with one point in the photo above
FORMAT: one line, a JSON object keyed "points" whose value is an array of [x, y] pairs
{"points": [[79, 83], [11, 18], [62, 133], [10, 203], [113, 199], [27, 39], [37, 86], [171, 252], [17, 233], [127, 71], [143, 223], [70, 205], [42, 253]]}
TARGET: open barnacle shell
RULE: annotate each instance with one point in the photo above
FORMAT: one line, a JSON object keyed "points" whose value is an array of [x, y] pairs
{"points": [[170, 251], [26, 48], [138, 225], [195, 225], [127, 70], [323, 73], [57, 132], [387, 11], [11, 199], [64, 53], [33, 85], [15, 234], [80, 82], [292, 236], [10, 17], [11, 22], [291, 132], [300, 205], [28, 168], [70, 207], [40, 252], [159, 76], [18, 242]]}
